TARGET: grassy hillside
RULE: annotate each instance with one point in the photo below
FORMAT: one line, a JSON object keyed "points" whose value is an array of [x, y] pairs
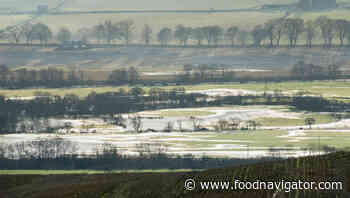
{"points": [[330, 167]]}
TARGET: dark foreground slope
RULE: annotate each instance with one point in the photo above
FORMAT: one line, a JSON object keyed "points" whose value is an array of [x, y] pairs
{"points": [[332, 167]]}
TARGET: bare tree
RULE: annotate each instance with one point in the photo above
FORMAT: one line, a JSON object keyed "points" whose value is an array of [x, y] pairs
{"points": [[327, 27], [252, 124], [108, 150], [15, 34], [216, 33], [126, 29], [270, 31], [118, 120], [147, 34], [299, 69], [196, 123], [164, 36], [4, 73], [68, 126], [198, 35], [99, 32], [84, 34], [235, 122], [243, 37], [213, 34], [231, 34], [279, 27], [222, 125], [42, 33], [293, 28], [169, 127], [111, 32], [341, 29], [334, 71], [45, 148], [310, 122], [207, 34], [183, 34], [63, 147], [3, 34], [3, 149], [274, 30], [258, 35], [347, 35], [337, 116], [63, 35], [28, 32], [107, 31], [203, 71], [180, 125], [136, 122], [310, 32], [133, 75], [144, 149], [137, 91], [277, 93]]}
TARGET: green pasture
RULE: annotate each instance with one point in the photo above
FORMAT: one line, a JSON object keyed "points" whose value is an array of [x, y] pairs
{"points": [[319, 118], [262, 140], [325, 88]]}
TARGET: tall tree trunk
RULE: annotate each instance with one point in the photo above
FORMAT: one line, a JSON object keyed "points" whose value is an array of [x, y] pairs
{"points": [[341, 42]]}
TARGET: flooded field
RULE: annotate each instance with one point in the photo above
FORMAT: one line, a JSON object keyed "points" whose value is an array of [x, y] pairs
{"points": [[281, 139]]}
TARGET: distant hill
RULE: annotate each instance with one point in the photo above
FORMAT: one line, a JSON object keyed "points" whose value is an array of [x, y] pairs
{"points": [[145, 5], [137, 4]]}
